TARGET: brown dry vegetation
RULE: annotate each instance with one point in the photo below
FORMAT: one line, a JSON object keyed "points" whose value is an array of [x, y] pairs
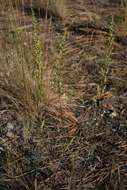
{"points": [[63, 95]]}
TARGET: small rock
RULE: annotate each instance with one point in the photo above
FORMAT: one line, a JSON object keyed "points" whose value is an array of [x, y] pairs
{"points": [[113, 114], [10, 126], [9, 134]]}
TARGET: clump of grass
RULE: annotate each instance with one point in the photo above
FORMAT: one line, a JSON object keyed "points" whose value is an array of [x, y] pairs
{"points": [[25, 63], [106, 63], [58, 69], [38, 65], [104, 72], [59, 63], [28, 61]]}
